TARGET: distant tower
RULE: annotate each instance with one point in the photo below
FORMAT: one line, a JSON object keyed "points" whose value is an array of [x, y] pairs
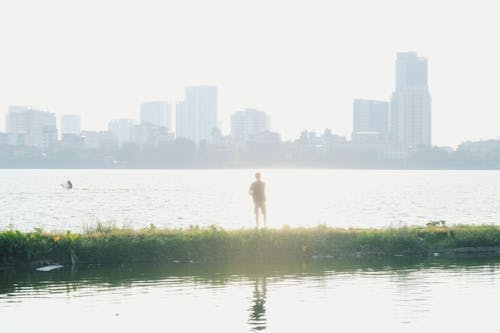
{"points": [[196, 116], [249, 122], [158, 113], [70, 124], [37, 128], [411, 102]]}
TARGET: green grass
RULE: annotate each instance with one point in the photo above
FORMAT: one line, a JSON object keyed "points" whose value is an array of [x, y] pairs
{"points": [[103, 245]]}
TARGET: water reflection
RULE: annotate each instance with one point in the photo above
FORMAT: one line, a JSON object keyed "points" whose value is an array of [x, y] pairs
{"points": [[393, 296], [257, 320]]}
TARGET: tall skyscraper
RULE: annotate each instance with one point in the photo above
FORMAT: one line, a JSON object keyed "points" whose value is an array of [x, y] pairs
{"points": [[196, 116], [249, 122], [370, 116], [38, 127], [158, 113], [411, 102], [70, 124]]}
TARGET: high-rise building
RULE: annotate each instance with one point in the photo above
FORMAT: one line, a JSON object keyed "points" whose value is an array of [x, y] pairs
{"points": [[70, 124], [121, 129], [370, 116], [158, 113], [411, 102], [196, 116], [38, 128], [248, 123]]}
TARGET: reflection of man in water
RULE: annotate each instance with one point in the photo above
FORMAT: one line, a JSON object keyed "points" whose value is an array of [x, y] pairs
{"points": [[257, 191], [258, 311]]}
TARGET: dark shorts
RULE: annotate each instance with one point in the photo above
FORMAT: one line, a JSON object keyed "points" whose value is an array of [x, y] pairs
{"points": [[261, 205]]}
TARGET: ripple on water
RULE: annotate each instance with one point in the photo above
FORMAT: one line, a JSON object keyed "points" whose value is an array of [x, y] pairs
{"points": [[204, 197], [396, 299]]}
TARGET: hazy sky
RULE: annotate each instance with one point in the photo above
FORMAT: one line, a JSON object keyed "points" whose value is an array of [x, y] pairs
{"points": [[301, 61]]}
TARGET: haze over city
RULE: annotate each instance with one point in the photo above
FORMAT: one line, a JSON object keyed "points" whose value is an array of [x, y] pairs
{"points": [[303, 63], [243, 166]]}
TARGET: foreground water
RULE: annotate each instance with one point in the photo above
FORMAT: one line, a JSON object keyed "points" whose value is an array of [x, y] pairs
{"points": [[388, 296], [179, 198]]}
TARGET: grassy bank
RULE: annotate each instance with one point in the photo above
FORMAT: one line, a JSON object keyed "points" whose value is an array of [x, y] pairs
{"points": [[112, 245]]}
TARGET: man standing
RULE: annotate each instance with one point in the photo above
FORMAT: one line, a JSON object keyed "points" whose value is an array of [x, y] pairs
{"points": [[257, 191]]}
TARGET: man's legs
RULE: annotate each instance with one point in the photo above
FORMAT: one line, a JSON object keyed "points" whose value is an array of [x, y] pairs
{"points": [[262, 207], [256, 216], [264, 213]]}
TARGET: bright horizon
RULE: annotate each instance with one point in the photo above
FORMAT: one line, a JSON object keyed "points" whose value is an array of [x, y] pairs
{"points": [[302, 62]]}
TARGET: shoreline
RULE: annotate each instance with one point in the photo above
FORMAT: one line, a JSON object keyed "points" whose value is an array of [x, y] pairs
{"points": [[109, 245]]}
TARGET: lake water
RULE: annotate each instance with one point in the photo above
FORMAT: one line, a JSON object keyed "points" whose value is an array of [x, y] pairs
{"points": [[179, 198], [391, 296], [404, 295]]}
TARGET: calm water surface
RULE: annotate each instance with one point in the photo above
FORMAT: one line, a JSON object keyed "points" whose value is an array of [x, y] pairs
{"points": [[179, 198], [428, 296], [394, 296]]}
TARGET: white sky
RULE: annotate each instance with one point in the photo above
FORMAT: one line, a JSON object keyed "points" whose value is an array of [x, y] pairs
{"points": [[301, 61]]}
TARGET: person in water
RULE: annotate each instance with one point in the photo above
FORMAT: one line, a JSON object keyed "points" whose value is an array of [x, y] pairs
{"points": [[257, 191], [69, 185]]}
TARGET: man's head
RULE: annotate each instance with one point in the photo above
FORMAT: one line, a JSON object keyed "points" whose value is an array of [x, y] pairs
{"points": [[257, 175]]}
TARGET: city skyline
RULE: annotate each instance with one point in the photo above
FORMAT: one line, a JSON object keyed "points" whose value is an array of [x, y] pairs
{"points": [[405, 120], [151, 52], [172, 107]]}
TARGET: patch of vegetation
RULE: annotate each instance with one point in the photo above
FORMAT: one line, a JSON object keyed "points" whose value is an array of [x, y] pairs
{"points": [[108, 244]]}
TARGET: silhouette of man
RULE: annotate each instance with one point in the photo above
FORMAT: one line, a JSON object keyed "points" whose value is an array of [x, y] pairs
{"points": [[257, 191]]}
